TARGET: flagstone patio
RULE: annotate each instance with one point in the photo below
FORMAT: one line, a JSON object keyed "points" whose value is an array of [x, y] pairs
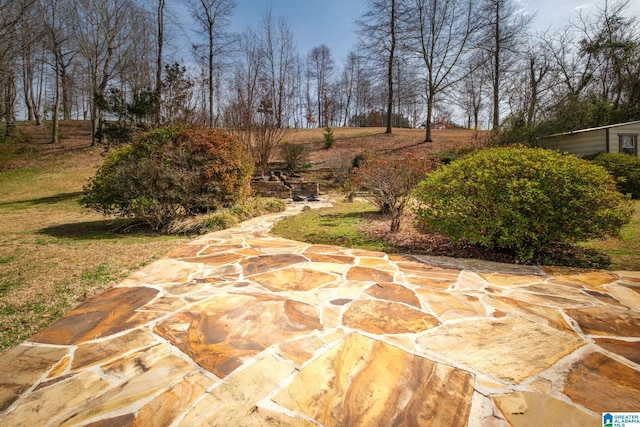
{"points": [[240, 328]]}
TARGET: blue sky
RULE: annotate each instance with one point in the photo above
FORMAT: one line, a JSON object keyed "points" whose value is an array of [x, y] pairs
{"points": [[312, 22], [331, 22]]}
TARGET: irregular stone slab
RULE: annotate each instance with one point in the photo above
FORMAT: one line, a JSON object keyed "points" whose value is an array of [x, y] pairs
{"points": [[436, 261], [367, 274], [327, 258], [393, 292], [329, 267], [591, 279], [21, 367], [379, 317], [603, 385], [216, 260], [264, 263], [248, 252], [535, 313], [575, 294], [223, 331], [235, 399], [603, 297], [453, 305], [539, 409], [627, 296], [628, 349], [524, 348], [98, 353], [366, 382], [630, 277], [479, 265], [167, 407], [470, 281], [380, 263], [110, 312], [300, 351], [293, 279], [163, 271], [217, 248], [555, 301], [182, 289], [331, 316], [49, 403], [141, 376], [427, 271], [165, 304], [368, 254], [185, 251], [122, 420], [327, 249], [273, 245], [60, 368], [607, 321], [508, 280], [428, 282]]}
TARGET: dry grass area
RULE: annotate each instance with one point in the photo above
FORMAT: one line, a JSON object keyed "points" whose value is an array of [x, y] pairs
{"points": [[54, 254], [351, 142]]}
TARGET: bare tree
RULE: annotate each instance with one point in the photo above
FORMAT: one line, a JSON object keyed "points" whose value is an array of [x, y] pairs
{"points": [[252, 112], [321, 66], [537, 66], [32, 62], [159, 44], [278, 49], [471, 90], [57, 37], [11, 13], [103, 34], [505, 29], [212, 17], [610, 41], [378, 28], [348, 83], [443, 32]]}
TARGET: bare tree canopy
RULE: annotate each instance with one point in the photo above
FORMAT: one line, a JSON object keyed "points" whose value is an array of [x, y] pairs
{"points": [[417, 63]]}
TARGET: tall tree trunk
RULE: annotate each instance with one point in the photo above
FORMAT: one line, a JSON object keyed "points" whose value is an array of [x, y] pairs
{"points": [[161, 5], [56, 103], [9, 106], [496, 70], [65, 83], [211, 91], [429, 120], [390, 66]]}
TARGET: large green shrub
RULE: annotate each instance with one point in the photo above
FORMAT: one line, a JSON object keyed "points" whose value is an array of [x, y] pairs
{"points": [[522, 200], [171, 173], [625, 169]]}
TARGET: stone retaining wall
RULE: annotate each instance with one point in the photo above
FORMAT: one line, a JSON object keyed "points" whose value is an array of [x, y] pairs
{"points": [[281, 190], [275, 189]]}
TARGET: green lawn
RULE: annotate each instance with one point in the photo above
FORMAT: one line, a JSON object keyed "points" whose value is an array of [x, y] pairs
{"points": [[54, 254], [341, 225], [332, 226]]}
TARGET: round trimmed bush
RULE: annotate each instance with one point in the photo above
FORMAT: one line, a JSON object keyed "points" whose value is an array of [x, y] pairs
{"points": [[625, 169], [521, 200], [171, 173]]}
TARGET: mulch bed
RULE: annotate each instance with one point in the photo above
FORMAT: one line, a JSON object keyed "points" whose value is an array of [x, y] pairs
{"points": [[410, 241]]}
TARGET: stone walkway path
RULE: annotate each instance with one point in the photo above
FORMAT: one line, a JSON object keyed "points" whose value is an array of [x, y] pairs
{"points": [[240, 328]]}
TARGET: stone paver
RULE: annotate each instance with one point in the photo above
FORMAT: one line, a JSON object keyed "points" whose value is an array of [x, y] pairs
{"points": [[242, 328]]}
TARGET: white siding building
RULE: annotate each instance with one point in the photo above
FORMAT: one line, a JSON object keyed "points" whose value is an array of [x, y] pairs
{"points": [[619, 138]]}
